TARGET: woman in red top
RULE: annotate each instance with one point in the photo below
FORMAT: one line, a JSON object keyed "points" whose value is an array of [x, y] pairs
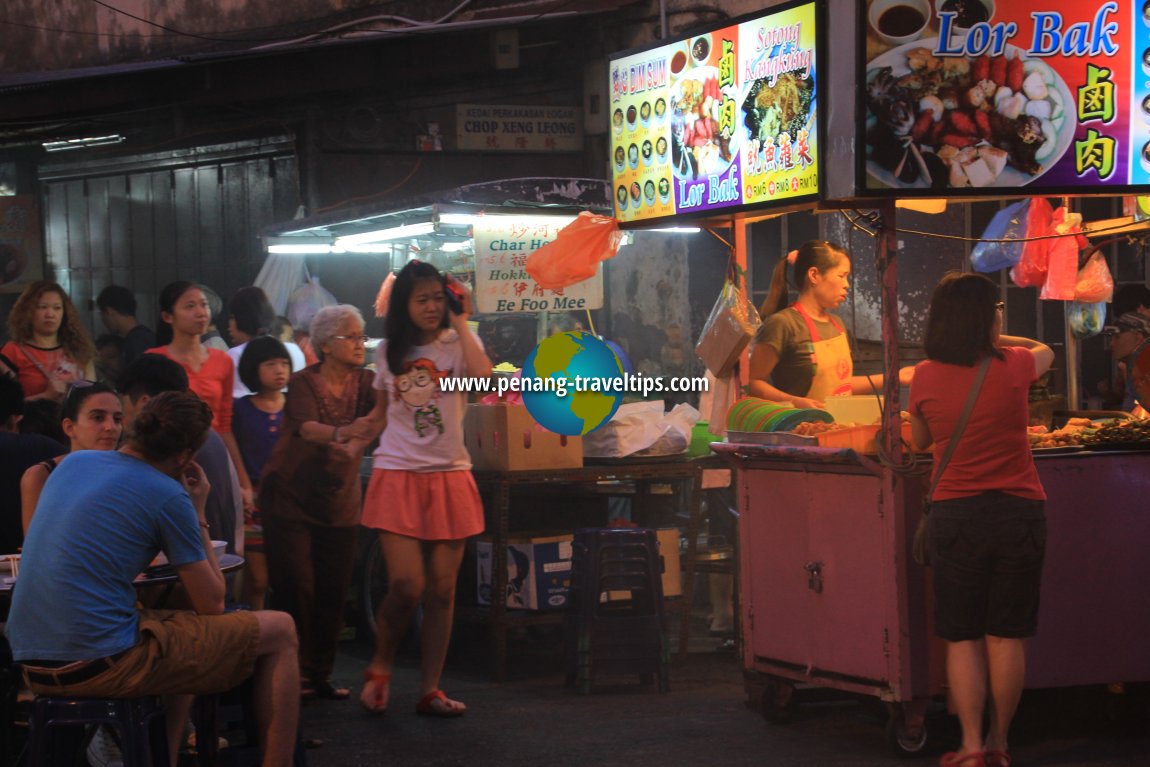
{"points": [[184, 317], [49, 346], [987, 527]]}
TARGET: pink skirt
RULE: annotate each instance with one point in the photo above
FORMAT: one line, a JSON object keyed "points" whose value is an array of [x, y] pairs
{"points": [[430, 506]]}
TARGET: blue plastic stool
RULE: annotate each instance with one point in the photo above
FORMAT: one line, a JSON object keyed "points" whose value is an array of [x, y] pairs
{"points": [[139, 721]]}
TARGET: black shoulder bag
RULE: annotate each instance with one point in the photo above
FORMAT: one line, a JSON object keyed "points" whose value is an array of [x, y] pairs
{"points": [[919, 550]]}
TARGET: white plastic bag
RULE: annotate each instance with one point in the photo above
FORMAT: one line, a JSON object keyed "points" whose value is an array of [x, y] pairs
{"points": [[279, 277], [642, 429], [308, 299]]}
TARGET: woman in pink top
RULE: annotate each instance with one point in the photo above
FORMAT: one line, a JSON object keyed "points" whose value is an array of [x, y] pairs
{"points": [[49, 346], [987, 526], [184, 316]]}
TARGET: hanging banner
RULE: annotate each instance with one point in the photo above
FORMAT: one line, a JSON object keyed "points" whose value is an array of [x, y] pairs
{"points": [[965, 96], [718, 121], [502, 285]]}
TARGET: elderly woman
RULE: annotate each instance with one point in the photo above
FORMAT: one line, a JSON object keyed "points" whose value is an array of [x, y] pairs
{"points": [[310, 492], [49, 346]]}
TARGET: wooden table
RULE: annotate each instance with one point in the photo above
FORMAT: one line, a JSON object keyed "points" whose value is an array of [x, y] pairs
{"points": [[633, 478]]}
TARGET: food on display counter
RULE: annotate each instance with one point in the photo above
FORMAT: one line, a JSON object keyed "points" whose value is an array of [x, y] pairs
{"points": [[1084, 432]]}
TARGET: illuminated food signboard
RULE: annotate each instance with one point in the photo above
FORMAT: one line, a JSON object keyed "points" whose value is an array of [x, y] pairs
{"points": [[718, 121], [973, 96]]}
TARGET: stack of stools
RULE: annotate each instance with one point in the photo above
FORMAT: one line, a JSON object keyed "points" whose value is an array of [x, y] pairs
{"points": [[140, 722], [616, 623]]}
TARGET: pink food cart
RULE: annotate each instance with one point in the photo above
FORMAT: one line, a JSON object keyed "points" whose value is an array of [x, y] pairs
{"points": [[831, 596]]}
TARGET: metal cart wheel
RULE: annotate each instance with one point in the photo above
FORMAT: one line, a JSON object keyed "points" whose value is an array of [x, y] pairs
{"points": [[779, 701], [906, 731], [373, 588]]}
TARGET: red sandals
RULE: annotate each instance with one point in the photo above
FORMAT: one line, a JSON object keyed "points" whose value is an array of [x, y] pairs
{"points": [[375, 692], [971, 759], [436, 703], [997, 759]]}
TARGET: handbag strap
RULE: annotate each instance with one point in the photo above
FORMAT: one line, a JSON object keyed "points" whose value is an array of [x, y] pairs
{"points": [[975, 387]]}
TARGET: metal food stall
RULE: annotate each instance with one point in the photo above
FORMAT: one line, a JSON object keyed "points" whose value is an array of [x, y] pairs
{"points": [[830, 594]]}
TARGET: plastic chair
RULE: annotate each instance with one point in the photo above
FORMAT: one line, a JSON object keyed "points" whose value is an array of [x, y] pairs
{"points": [[616, 620], [139, 721]]}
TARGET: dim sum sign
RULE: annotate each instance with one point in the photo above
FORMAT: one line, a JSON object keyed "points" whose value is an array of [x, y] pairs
{"points": [[973, 96], [720, 121]]}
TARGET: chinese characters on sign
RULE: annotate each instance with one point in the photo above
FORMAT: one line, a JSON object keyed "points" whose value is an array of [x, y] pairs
{"points": [[518, 128], [502, 285], [718, 121]]}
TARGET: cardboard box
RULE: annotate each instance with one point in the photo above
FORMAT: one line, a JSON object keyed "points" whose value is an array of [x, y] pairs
{"points": [[538, 572], [506, 438], [672, 565]]}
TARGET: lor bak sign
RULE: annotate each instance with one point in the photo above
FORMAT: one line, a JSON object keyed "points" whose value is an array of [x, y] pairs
{"points": [[965, 96]]}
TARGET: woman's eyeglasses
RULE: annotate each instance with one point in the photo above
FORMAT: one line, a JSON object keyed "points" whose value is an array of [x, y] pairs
{"points": [[1000, 306], [353, 339]]}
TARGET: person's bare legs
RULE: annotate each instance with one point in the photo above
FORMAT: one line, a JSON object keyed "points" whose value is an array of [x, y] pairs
{"points": [[443, 560], [255, 579], [276, 682], [177, 708], [1006, 662], [966, 675], [403, 557]]}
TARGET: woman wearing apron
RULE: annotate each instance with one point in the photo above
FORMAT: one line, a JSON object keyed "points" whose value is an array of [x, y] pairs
{"points": [[802, 354]]}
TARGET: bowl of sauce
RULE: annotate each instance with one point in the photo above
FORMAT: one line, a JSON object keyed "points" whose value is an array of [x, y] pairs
{"points": [[897, 22]]}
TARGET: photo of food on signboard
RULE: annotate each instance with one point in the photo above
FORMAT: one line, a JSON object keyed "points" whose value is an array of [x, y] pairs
{"points": [[964, 121], [972, 94], [785, 108], [697, 147]]}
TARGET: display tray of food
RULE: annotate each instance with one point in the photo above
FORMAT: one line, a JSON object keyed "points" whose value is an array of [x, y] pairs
{"points": [[1091, 434]]}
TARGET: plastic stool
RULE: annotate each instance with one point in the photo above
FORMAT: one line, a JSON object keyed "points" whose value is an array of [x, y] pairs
{"points": [[140, 722], [608, 633]]}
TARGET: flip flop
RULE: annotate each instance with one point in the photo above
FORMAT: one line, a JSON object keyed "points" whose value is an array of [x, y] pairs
{"points": [[971, 759], [436, 703], [997, 759], [375, 692], [325, 690]]}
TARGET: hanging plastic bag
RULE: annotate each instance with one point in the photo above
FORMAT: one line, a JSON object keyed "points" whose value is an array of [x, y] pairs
{"points": [[279, 277], [1094, 281], [1086, 319], [1030, 271], [733, 323], [305, 301], [1062, 257], [575, 253], [1007, 224]]}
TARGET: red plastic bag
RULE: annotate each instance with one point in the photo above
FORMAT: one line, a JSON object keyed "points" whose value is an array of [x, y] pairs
{"points": [[1094, 281], [575, 253], [1030, 271], [1062, 257]]}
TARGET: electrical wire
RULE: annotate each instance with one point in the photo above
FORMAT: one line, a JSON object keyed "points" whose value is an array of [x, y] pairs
{"points": [[876, 220]]}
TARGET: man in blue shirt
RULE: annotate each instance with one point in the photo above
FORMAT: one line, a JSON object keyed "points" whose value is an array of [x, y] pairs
{"points": [[103, 517]]}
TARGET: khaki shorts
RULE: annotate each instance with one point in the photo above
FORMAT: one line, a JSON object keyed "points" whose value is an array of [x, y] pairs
{"points": [[179, 653]]}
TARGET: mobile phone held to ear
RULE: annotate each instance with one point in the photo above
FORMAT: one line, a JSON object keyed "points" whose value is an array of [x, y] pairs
{"points": [[453, 292]]}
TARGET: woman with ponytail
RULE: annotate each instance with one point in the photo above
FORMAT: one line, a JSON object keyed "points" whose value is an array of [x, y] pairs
{"points": [[802, 354]]}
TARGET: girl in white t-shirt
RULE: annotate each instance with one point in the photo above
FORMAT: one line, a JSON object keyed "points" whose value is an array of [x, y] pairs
{"points": [[422, 497]]}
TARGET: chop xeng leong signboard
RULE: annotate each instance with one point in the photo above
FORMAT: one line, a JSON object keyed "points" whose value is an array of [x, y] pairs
{"points": [[973, 96], [719, 121]]}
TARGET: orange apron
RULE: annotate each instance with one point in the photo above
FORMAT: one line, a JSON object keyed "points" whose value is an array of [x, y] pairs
{"points": [[831, 360]]}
